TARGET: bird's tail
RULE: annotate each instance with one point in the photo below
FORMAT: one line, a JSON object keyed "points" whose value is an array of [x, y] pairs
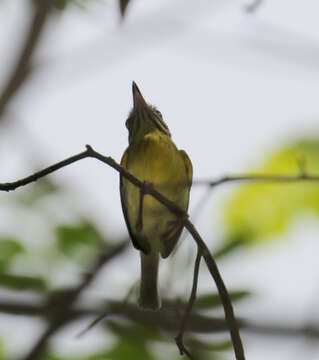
{"points": [[149, 296]]}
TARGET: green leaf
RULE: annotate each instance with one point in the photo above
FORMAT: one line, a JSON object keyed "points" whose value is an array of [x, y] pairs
{"points": [[128, 349], [142, 332], [9, 249], [211, 300], [20, 282], [259, 211], [132, 341], [78, 241]]}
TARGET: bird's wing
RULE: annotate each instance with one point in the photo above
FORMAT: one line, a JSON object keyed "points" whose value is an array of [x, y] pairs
{"points": [[170, 241], [188, 166], [135, 239]]}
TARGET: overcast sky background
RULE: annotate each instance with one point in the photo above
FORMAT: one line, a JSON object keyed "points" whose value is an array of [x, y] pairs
{"points": [[231, 86]]}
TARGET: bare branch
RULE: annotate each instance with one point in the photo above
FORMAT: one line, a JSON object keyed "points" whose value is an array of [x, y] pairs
{"points": [[163, 319], [183, 216], [36, 176], [228, 308], [22, 67], [192, 298], [149, 189], [280, 179]]}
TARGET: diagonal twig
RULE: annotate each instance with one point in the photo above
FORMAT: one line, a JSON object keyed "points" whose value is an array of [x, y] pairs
{"points": [[182, 215], [192, 298], [211, 264], [222, 290]]}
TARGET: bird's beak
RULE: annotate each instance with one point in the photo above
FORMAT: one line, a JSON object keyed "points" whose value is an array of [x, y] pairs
{"points": [[138, 99]]}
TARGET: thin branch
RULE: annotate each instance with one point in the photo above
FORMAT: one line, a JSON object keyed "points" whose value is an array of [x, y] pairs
{"points": [[63, 314], [183, 216], [149, 189], [197, 323], [22, 67], [36, 176], [222, 290], [93, 324], [281, 179], [192, 298]]}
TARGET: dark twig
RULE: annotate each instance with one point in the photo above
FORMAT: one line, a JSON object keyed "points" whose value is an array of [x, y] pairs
{"points": [[182, 215], [63, 314], [22, 66], [93, 323], [9, 186], [192, 298], [163, 319], [222, 290], [36, 176], [229, 314], [280, 179]]}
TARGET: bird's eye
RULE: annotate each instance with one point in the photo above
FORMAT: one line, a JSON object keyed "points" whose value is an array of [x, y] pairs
{"points": [[157, 112], [127, 123]]}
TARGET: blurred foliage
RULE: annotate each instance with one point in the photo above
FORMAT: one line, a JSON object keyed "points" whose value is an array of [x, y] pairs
{"points": [[78, 241], [212, 300], [258, 211], [81, 241], [9, 249], [132, 341], [20, 282]]}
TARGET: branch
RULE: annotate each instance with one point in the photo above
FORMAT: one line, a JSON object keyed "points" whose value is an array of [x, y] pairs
{"points": [[260, 178], [9, 186], [183, 216], [163, 319], [62, 313], [22, 67], [192, 298], [223, 293], [149, 189]]}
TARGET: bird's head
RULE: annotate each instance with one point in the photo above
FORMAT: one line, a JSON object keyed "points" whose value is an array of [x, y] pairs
{"points": [[143, 118]]}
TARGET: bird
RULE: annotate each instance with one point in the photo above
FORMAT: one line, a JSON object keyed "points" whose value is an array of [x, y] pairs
{"points": [[153, 158]]}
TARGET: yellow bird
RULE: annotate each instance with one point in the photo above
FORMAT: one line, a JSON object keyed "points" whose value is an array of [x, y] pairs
{"points": [[153, 157]]}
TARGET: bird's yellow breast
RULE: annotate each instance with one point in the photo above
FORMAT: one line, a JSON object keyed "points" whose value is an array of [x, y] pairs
{"points": [[157, 160]]}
